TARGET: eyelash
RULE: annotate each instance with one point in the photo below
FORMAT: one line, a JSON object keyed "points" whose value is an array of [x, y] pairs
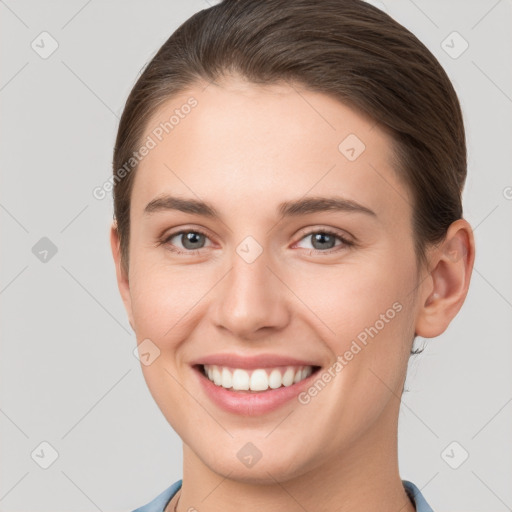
{"points": [[345, 242]]}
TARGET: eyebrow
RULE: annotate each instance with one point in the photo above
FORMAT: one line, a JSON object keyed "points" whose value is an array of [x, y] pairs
{"points": [[292, 208]]}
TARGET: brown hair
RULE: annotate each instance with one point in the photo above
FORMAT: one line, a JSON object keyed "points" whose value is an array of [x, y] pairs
{"points": [[344, 48]]}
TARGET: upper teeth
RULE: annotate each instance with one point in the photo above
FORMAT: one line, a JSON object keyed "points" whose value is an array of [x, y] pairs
{"points": [[256, 380]]}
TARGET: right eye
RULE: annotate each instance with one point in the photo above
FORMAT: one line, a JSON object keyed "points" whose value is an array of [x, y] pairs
{"points": [[191, 241]]}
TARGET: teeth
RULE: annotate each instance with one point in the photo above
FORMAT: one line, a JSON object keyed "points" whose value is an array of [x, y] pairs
{"points": [[259, 380], [288, 376], [256, 380], [274, 379], [227, 378], [240, 380], [217, 377]]}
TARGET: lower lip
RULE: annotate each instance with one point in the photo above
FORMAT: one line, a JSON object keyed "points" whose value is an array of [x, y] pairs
{"points": [[250, 403]]}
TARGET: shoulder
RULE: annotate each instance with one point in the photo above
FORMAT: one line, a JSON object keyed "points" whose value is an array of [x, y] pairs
{"points": [[415, 494], [159, 503]]}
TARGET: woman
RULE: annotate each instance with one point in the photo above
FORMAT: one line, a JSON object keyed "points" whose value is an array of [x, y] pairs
{"points": [[259, 133]]}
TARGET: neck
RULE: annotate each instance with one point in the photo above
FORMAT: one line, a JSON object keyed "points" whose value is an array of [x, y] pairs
{"points": [[363, 477]]}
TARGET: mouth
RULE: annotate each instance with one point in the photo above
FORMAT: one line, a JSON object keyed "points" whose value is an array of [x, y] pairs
{"points": [[257, 380], [256, 391]]}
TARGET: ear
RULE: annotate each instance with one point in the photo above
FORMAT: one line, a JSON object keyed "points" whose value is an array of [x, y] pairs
{"points": [[121, 275], [446, 285]]}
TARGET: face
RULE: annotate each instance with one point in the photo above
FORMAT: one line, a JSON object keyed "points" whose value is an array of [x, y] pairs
{"points": [[294, 271]]}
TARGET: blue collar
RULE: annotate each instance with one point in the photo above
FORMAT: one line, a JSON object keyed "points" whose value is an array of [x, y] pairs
{"points": [[159, 503]]}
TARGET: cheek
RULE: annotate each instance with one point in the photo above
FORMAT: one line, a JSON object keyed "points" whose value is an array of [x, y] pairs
{"points": [[153, 298], [357, 301], [166, 299], [368, 311]]}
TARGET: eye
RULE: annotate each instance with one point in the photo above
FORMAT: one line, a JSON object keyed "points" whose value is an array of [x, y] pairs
{"points": [[324, 240], [191, 241]]}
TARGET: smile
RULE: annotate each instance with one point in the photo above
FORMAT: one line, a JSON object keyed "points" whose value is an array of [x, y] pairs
{"points": [[259, 380], [252, 386]]}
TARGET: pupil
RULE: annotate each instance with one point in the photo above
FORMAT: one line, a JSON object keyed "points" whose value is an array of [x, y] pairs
{"points": [[190, 238], [323, 238]]}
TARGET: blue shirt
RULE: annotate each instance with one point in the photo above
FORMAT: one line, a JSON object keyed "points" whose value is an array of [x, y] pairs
{"points": [[159, 503]]}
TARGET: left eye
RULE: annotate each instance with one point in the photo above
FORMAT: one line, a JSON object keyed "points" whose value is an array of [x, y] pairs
{"points": [[324, 240]]}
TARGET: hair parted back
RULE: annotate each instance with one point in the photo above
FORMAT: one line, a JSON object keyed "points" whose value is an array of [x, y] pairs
{"points": [[347, 49]]}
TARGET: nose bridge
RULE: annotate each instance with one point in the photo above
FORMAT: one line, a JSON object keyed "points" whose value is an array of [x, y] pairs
{"points": [[251, 296]]}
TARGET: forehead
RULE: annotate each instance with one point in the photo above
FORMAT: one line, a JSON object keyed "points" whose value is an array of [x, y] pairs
{"points": [[236, 141]]}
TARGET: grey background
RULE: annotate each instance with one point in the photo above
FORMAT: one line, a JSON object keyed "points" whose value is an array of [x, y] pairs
{"points": [[67, 369]]}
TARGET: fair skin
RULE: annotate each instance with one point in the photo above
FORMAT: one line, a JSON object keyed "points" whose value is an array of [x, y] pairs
{"points": [[245, 149]]}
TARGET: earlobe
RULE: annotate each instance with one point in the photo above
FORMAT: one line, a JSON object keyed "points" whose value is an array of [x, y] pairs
{"points": [[121, 275], [448, 281]]}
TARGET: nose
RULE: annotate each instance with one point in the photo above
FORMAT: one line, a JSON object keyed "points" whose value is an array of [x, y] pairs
{"points": [[251, 300]]}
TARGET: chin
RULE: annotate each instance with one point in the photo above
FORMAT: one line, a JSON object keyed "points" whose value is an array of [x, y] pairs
{"points": [[265, 470]]}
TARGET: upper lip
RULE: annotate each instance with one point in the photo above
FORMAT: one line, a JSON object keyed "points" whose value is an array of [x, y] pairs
{"points": [[251, 362]]}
